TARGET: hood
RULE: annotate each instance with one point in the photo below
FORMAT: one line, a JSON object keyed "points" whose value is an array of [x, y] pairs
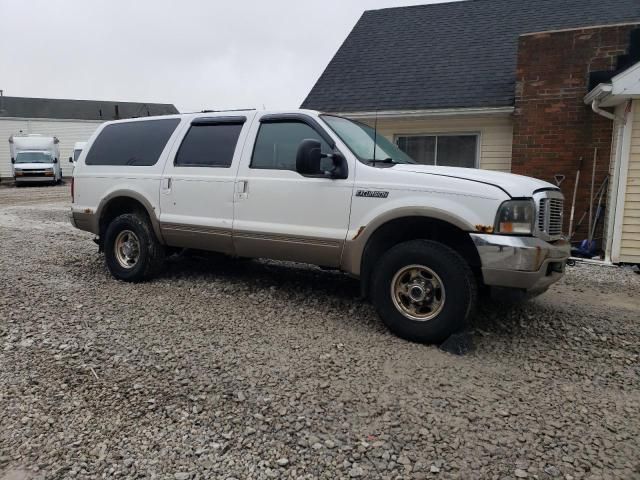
{"points": [[32, 166], [512, 184]]}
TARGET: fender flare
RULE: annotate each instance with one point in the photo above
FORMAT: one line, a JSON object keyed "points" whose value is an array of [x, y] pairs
{"points": [[133, 195]]}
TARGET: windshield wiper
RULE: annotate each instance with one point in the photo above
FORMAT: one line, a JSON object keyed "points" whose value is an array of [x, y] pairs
{"points": [[386, 160]]}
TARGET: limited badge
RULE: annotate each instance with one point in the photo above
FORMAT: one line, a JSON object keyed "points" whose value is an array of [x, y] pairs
{"points": [[372, 193]]}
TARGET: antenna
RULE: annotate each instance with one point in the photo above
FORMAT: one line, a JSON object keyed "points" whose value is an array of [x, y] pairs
{"points": [[375, 136]]}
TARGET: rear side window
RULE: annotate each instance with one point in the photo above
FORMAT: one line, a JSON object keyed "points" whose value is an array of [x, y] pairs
{"points": [[131, 143], [209, 144]]}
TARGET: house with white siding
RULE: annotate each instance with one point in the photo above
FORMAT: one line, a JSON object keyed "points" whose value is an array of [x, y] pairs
{"points": [[503, 85], [70, 120]]}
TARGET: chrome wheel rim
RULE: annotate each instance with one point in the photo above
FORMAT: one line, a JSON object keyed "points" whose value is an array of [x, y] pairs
{"points": [[418, 292], [127, 249]]}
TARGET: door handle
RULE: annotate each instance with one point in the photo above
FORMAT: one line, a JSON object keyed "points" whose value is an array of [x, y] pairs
{"points": [[166, 183], [242, 186]]}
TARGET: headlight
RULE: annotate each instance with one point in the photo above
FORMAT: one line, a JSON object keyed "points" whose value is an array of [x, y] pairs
{"points": [[515, 217]]}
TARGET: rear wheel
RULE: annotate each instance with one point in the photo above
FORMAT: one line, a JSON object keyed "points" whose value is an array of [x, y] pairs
{"points": [[132, 251], [423, 291]]}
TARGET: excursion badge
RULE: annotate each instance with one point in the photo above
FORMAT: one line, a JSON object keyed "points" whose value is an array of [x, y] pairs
{"points": [[372, 193]]}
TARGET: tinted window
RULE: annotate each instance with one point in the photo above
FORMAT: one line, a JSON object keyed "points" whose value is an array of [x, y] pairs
{"points": [[277, 145], [209, 145], [131, 143]]}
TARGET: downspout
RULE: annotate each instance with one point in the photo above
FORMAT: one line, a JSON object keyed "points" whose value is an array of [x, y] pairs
{"points": [[595, 106]]}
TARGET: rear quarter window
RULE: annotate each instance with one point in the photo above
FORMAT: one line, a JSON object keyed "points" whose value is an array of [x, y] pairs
{"points": [[131, 143]]}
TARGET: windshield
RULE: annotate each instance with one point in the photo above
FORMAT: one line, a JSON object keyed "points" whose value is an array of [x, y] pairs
{"points": [[360, 140], [76, 154], [33, 157]]}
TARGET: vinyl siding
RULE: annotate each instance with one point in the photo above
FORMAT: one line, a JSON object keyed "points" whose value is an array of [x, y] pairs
{"points": [[630, 244], [496, 134], [68, 132]]}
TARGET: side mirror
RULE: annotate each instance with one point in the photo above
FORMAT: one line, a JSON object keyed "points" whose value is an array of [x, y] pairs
{"points": [[70, 159], [308, 157], [340, 171], [13, 160], [55, 160]]}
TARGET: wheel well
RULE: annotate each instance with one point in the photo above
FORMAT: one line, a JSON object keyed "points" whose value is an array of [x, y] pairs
{"points": [[119, 206], [413, 228]]}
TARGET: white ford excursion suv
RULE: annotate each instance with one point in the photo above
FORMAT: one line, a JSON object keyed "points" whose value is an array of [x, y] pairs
{"points": [[309, 187]]}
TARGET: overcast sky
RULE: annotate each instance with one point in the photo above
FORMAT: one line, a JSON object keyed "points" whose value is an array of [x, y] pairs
{"points": [[193, 53]]}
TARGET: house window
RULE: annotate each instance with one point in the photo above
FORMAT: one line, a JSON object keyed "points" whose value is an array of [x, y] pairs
{"points": [[445, 150]]}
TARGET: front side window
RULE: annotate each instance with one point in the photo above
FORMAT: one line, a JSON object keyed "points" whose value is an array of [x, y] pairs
{"points": [[131, 143], [76, 155], [33, 157], [444, 150], [277, 145], [209, 145]]}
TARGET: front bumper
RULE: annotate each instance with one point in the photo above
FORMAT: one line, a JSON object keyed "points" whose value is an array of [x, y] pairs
{"points": [[526, 263], [34, 179]]}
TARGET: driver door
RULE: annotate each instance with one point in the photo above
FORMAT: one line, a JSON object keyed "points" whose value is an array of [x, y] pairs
{"points": [[281, 214]]}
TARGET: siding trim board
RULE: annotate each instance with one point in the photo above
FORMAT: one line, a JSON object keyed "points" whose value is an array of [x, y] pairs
{"points": [[624, 164]]}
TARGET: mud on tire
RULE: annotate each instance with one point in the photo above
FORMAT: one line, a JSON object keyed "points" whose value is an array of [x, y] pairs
{"points": [[132, 251]]}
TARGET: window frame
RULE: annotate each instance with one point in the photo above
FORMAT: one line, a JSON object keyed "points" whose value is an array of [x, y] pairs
{"points": [[208, 121], [290, 118], [473, 133]]}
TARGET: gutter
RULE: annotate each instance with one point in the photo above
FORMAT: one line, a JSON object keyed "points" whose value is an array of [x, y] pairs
{"points": [[436, 112]]}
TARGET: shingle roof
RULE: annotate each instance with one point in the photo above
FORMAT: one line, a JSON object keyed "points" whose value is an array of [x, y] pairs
{"points": [[24, 107], [447, 55]]}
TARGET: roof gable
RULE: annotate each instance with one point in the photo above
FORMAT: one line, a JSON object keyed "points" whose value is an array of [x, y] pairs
{"points": [[24, 107], [447, 55]]}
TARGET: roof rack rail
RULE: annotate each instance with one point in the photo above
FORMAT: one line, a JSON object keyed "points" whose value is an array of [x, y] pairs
{"points": [[227, 110]]}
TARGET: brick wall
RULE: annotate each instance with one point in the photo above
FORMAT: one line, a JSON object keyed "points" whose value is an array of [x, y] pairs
{"points": [[553, 127]]}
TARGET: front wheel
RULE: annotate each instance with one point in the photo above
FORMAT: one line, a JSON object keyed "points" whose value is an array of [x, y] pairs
{"points": [[423, 291], [132, 251]]}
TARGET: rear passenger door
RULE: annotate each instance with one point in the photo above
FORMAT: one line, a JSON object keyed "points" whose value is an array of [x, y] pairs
{"points": [[196, 192]]}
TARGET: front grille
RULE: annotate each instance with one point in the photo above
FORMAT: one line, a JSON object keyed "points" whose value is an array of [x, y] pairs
{"points": [[550, 216], [34, 173]]}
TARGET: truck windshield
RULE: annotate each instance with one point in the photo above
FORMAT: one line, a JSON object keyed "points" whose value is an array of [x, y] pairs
{"points": [[33, 157], [360, 140]]}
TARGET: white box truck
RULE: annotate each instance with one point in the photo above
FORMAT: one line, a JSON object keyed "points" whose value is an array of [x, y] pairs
{"points": [[35, 158]]}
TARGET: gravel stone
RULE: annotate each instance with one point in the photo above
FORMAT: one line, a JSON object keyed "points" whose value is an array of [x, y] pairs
{"points": [[223, 368]]}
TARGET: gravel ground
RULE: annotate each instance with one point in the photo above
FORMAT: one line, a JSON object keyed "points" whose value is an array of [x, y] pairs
{"points": [[252, 369]]}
